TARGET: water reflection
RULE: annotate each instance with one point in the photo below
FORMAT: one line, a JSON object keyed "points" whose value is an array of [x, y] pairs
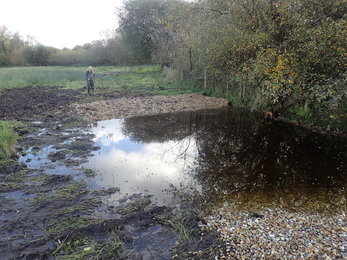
{"points": [[148, 167], [215, 155]]}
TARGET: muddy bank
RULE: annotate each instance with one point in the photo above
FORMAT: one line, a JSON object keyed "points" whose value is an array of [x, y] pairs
{"points": [[47, 212], [30, 102]]}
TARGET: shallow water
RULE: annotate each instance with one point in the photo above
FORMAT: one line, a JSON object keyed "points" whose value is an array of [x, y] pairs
{"points": [[213, 156], [149, 167]]}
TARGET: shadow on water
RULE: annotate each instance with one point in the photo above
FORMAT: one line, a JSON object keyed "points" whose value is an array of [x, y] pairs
{"points": [[214, 156]]}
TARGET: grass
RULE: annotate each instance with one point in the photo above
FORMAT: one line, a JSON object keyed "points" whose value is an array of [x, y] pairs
{"points": [[88, 248], [146, 78], [177, 224], [88, 172], [18, 77], [8, 139], [68, 192]]}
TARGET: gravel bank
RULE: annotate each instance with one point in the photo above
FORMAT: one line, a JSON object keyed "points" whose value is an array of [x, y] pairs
{"points": [[149, 105], [279, 234]]}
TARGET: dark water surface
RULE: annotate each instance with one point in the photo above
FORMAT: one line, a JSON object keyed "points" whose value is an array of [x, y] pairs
{"points": [[214, 156]]}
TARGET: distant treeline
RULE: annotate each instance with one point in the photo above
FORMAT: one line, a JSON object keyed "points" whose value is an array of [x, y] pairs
{"points": [[257, 52], [16, 51]]}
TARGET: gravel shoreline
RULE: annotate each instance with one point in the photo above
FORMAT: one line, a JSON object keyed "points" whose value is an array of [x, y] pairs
{"points": [[149, 105], [274, 233]]}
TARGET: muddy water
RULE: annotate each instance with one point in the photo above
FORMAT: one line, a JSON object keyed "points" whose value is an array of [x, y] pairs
{"points": [[214, 156]]}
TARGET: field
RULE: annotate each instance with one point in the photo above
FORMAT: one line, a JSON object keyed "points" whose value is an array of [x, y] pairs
{"points": [[142, 78], [54, 215]]}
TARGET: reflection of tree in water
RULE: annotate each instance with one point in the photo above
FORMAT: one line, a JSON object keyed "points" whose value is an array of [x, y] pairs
{"points": [[177, 129], [160, 128], [239, 153]]}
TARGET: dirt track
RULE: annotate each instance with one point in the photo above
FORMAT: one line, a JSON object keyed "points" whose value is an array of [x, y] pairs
{"points": [[44, 213]]}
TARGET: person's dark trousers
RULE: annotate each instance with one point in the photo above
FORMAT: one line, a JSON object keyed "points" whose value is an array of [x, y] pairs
{"points": [[90, 86]]}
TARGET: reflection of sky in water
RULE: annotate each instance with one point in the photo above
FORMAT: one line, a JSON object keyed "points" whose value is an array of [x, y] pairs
{"points": [[149, 168]]}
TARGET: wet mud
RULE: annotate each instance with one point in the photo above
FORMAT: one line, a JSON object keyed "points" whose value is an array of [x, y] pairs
{"points": [[47, 211]]}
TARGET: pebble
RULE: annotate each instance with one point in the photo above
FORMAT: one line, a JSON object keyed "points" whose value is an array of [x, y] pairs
{"points": [[279, 234]]}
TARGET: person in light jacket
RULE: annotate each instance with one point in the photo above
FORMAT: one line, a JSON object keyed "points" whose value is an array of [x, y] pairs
{"points": [[90, 80]]}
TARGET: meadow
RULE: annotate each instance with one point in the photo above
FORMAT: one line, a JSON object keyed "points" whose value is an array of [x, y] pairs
{"points": [[146, 77], [17, 77]]}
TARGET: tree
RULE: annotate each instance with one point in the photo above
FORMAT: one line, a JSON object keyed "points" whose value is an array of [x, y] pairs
{"points": [[37, 55], [5, 36], [143, 27], [285, 51]]}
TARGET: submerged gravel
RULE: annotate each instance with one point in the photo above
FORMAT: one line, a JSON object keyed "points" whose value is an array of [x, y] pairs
{"points": [[279, 234]]}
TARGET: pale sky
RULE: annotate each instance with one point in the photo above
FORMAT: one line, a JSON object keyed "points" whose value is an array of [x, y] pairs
{"points": [[63, 23]]}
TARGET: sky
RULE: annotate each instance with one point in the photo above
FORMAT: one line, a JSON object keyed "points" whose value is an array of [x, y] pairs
{"points": [[62, 23]]}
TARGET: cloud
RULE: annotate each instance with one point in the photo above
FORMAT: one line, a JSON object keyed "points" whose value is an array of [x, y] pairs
{"points": [[141, 168]]}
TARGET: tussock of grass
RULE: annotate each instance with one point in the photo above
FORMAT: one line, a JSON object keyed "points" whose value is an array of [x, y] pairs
{"points": [[8, 139]]}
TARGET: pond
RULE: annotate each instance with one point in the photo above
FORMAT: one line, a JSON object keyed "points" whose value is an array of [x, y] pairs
{"points": [[211, 156]]}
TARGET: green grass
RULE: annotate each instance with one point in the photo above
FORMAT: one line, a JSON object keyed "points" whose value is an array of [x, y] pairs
{"points": [[146, 79], [68, 192], [18, 77], [177, 224], [8, 139], [88, 248]]}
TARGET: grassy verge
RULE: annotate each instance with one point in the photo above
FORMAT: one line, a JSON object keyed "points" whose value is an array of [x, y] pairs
{"points": [[8, 140]]}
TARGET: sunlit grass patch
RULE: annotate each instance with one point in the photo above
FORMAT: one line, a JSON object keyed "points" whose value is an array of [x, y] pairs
{"points": [[147, 69]]}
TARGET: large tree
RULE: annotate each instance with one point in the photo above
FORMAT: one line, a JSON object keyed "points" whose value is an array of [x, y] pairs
{"points": [[143, 26]]}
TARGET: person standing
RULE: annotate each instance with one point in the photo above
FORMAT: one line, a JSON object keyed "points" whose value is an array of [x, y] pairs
{"points": [[90, 80]]}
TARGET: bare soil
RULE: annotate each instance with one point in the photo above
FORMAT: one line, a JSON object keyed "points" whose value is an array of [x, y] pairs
{"points": [[47, 212]]}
